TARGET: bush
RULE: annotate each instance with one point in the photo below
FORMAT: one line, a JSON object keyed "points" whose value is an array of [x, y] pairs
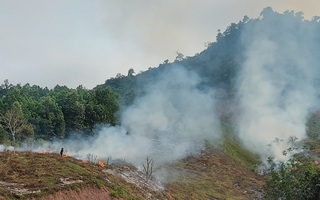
{"points": [[296, 179], [313, 127], [3, 136]]}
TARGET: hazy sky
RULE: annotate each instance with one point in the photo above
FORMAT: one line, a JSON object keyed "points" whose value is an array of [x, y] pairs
{"points": [[85, 42]]}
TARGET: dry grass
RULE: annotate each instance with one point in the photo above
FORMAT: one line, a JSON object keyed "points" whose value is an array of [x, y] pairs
{"points": [[226, 171], [213, 175], [28, 174], [217, 173]]}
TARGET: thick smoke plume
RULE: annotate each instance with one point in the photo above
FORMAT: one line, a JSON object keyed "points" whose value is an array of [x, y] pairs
{"points": [[278, 84], [277, 90], [172, 120]]}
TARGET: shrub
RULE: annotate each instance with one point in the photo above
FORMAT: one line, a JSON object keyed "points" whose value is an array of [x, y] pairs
{"points": [[295, 179]]}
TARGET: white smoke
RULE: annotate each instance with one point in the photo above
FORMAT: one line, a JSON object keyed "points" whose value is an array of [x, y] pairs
{"points": [[277, 84], [276, 92], [172, 120], [175, 117]]}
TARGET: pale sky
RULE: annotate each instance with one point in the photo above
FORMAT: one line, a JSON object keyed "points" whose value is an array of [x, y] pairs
{"points": [[85, 42]]}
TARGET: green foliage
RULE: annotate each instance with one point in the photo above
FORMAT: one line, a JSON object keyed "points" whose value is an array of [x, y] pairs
{"points": [[49, 114], [296, 179], [313, 126], [26, 132], [116, 191], [13, 120], [48, 119], [233, 148], [3, 135]]}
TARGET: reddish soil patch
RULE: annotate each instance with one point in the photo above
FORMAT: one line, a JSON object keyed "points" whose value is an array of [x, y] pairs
{"points": [[81, 194]]}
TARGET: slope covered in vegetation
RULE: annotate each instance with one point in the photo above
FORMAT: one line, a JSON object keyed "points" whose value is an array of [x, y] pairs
{"points": [[200, 116], [39, 175], [210, 175]]}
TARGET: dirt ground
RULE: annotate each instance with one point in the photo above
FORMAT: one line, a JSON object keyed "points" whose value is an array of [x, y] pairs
{"points": [[83, 194]]}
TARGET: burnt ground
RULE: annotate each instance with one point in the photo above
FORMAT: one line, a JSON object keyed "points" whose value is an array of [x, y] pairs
{"points": [[210, 175]]}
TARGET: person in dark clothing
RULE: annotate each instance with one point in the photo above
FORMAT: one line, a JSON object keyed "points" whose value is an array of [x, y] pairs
{"points": [[61, 152]]}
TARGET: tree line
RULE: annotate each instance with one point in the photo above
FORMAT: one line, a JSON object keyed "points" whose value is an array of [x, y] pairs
{"points": [[32, 112]]}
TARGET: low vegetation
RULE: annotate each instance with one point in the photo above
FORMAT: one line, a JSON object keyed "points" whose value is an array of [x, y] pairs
{"points": [[223, 170], [29, 174], [214, 175], [298, 178]]}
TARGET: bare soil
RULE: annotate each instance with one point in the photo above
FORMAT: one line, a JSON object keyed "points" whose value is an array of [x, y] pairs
{"points": [[83, 194]]}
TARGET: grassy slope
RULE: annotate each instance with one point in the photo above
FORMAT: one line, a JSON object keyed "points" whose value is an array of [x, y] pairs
{"points": [[223, 172], [35, 171], [214, 175]]}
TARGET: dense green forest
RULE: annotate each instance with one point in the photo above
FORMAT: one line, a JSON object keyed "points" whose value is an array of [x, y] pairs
{"points": [[32, 112]]}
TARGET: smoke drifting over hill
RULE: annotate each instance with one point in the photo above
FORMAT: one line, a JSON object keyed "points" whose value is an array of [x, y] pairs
{"points": [[277, 87], [172, 120], [276, 90]]}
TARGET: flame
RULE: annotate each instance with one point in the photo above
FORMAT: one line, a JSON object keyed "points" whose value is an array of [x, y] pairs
{"points": [[84, 161], [316, 163], [42, 152], [101, 164], [65, 155]]}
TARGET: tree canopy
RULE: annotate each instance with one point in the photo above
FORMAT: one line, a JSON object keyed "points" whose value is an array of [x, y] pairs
{"points": [[40, 113]]}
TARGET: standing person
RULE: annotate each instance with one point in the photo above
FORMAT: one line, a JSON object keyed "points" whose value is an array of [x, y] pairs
{"points": [[61, 152]]}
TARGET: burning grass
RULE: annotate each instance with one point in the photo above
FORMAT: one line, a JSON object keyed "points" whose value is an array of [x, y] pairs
{"points": [[224, 172], [29, 174]]}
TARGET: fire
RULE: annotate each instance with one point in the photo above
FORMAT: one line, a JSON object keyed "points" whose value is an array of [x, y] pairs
{"points": [[316, 163], [42, 152], [84, 161], [65, 155], [101, 164]]}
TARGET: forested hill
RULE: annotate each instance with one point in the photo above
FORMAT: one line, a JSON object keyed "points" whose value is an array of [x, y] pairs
{"points": [[29, 112], [219, 64], [216, 65]]}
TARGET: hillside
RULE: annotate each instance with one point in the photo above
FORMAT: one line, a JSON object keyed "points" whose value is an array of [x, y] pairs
{"points": [[214, 173], [49, 176], [210, 122], [210, 175]]}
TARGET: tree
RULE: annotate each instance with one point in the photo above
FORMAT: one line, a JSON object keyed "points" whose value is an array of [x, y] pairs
{"points": [[148, 169], [73, 109], [13, 120], [313, 126], [26, 132], [3, 135], [179, 56], [165, 62], [130, 72], [106, 105], [119, 75], [50, 120]]}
